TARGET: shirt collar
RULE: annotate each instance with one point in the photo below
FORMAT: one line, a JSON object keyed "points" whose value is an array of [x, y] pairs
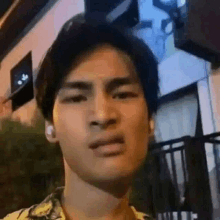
{"points": [[51, 208]]}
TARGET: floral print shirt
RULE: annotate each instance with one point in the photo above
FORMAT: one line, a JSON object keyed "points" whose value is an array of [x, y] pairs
{"points": [[50, 209]]}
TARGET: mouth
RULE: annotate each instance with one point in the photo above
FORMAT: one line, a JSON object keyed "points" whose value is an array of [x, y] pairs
{"points": [[110, 140], [110, 146]]}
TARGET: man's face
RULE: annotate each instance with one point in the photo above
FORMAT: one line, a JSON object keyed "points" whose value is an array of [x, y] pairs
{"points": [[102, 99]]}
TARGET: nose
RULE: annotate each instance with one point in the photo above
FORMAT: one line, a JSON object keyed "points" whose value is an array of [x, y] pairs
{"points": [[104, 112]]}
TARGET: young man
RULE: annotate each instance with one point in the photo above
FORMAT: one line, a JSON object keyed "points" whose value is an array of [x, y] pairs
{"points": [[97, 89]]}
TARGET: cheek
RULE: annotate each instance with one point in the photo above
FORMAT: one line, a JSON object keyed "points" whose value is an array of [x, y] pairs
{"points": [[71, 134], [137, 128], [69, 125], [67, 118]]}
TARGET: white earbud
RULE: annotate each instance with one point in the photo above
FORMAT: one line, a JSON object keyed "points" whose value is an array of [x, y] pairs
{"points": [[50, 130]]}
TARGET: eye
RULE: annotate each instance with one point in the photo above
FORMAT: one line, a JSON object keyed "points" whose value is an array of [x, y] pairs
{"points": [[124, 95], [75, 99]]}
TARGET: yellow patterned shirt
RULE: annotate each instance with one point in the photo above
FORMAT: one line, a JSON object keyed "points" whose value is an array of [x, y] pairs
{"points": [[50, 209]]}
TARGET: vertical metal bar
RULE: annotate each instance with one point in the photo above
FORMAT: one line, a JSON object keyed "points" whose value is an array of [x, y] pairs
{"points": [[175, 181], [165, 185], [157, 216], [167, 216], [189, 216], [154, 188], [170, 211], [162, 216], [217, 163], [184, 170], [163, 190], [171, 215], [183, 166]]}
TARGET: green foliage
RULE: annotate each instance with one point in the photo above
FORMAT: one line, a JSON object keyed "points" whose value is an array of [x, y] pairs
{"points": [[30, 167]]}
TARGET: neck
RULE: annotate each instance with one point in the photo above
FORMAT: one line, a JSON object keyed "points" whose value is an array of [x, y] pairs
{"points": [[83, 201]]}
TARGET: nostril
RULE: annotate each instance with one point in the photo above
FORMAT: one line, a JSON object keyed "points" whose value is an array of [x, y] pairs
{"points": [[94, 123], [103, 123]]}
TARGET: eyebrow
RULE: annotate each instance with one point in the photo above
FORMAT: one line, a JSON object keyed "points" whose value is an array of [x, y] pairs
{"points": [[110, 86]]}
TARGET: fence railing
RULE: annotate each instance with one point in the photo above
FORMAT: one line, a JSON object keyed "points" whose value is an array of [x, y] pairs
{"points": [[181, 181]]}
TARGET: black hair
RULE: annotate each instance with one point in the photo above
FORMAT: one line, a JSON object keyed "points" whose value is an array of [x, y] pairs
{"points": [[81, 34]]}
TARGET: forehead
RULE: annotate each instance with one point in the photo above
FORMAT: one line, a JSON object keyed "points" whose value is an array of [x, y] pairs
{"points": [[102, 63]]}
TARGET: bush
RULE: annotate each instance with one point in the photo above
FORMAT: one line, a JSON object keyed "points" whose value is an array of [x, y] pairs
{"points": [[30, 167]]}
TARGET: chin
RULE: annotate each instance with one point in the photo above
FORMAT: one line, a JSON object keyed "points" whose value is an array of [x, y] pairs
{"points": [[113, 175]]}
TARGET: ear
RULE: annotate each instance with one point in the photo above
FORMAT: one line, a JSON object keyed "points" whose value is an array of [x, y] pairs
{"points": [[151, 127], [50, 132]]}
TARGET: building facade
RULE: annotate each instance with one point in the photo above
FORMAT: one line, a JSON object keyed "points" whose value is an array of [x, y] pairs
{"points": [[178, 70]]}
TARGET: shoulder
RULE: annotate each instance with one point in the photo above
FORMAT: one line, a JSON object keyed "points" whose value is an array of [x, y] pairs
{"points": [[20, 214], [141, 215], [50, 208], [34, 212]]}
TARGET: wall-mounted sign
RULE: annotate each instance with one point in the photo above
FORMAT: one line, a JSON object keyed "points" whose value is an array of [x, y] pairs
{"points": [[22, 82]]}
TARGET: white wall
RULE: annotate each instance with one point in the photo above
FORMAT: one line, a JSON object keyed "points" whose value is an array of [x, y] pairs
{"points": [[37, 40], [179, 70]]}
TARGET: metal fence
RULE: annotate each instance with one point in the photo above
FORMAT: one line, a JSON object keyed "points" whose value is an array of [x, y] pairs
{"points": [[181, 182]]}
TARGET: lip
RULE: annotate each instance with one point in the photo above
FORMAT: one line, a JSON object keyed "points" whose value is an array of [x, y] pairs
{"points": [[107, 140], [109, 150]]}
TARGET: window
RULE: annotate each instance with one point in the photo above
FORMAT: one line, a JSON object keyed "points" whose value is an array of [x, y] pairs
{"points": [[22, 82]]}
